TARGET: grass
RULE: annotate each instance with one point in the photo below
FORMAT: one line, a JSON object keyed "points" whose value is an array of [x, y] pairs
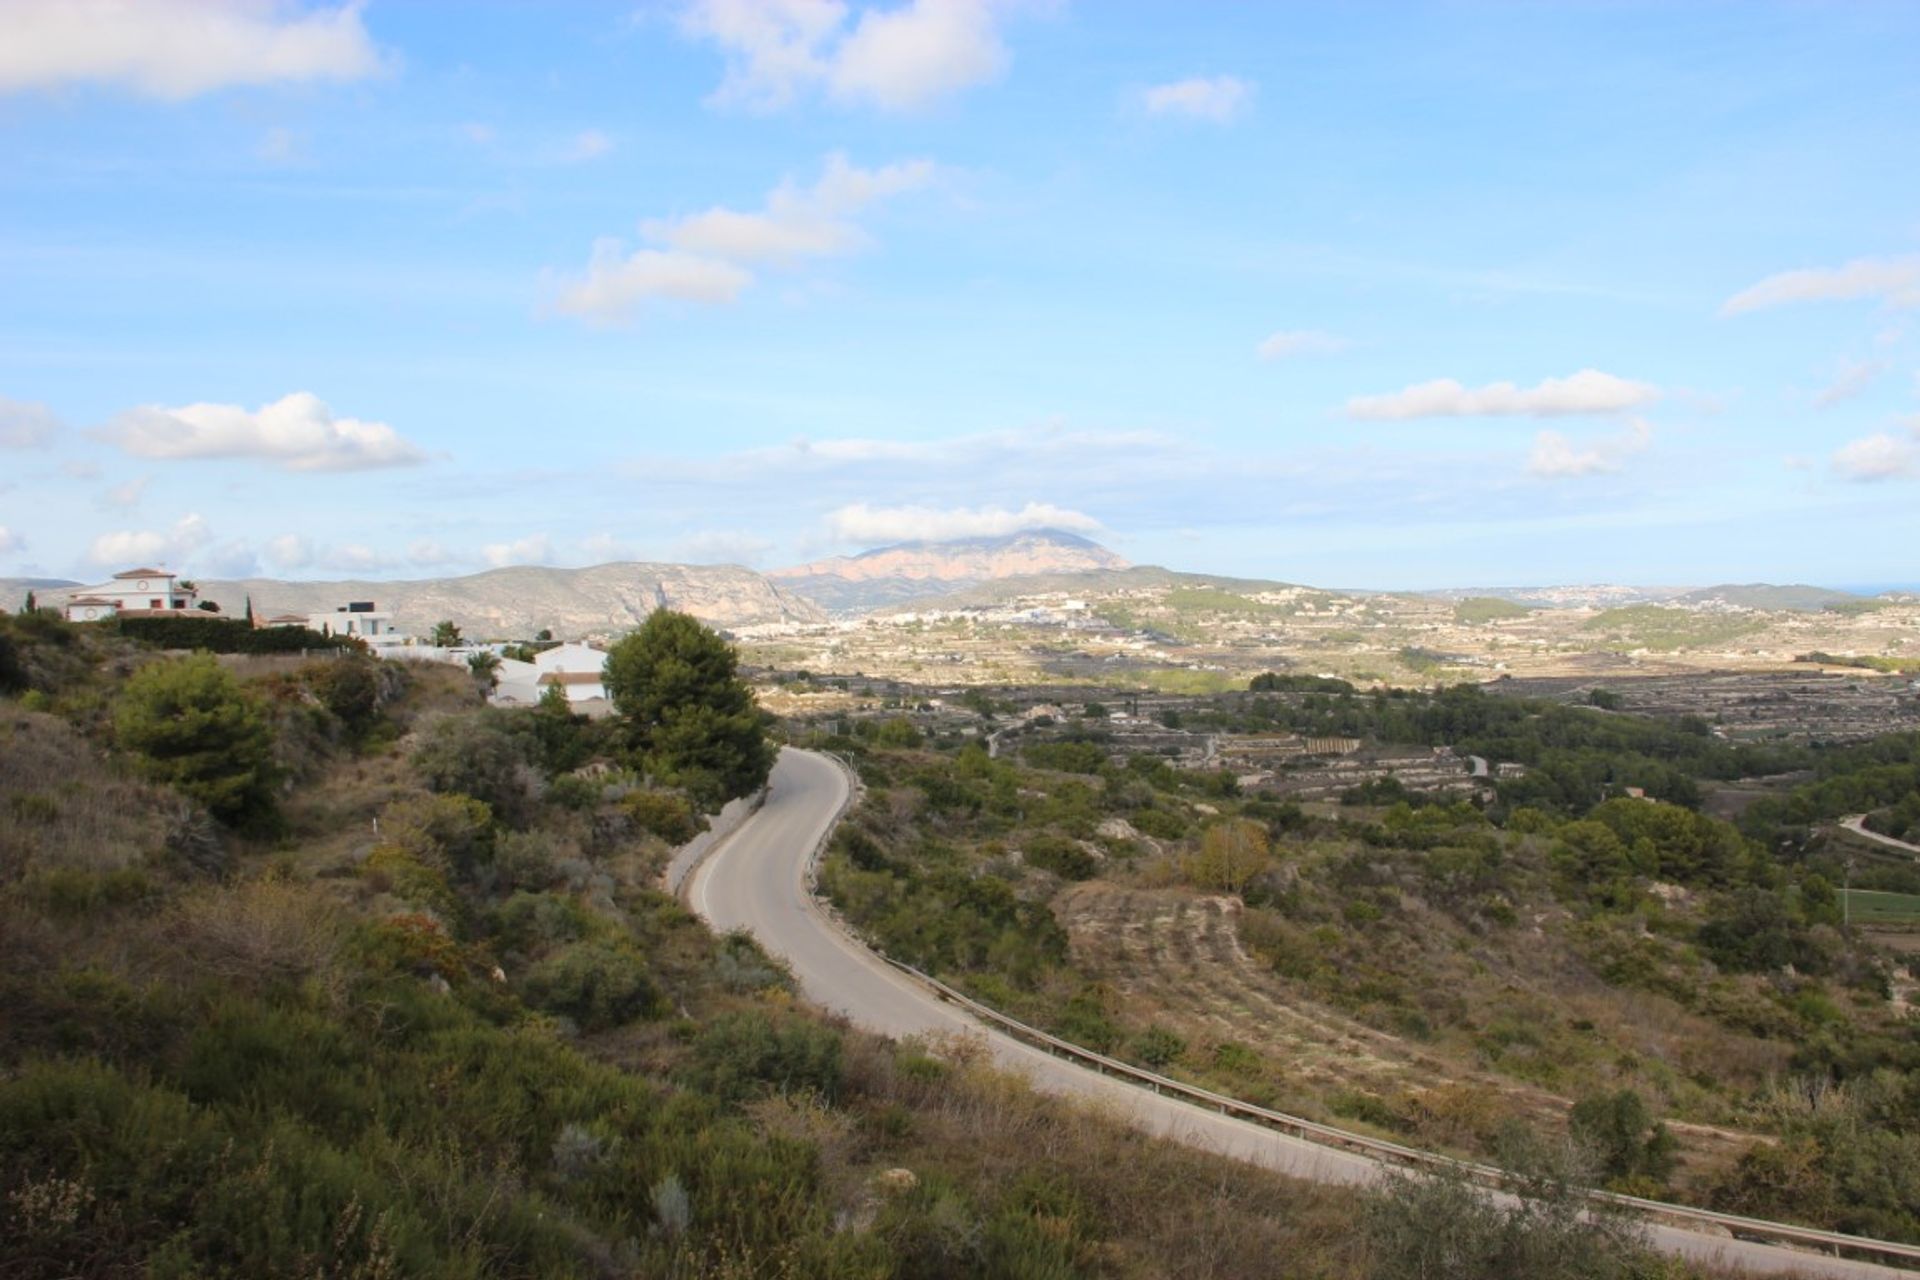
{"points": [[1876, 906], [1663, 629], [1478, 609]]}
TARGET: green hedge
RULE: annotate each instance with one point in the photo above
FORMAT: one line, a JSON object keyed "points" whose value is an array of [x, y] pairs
{"points": [[228, 635]]}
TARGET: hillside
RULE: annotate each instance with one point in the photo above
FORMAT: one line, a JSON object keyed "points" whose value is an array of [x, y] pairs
{"points": [[520, 601], [906, 570], [1791, 597]]}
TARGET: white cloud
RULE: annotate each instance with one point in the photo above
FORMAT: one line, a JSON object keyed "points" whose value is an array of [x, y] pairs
{"points": [[151, 547], [123, 496], [1554, 456], [298, 432], [1895, 281], [24, 425], [1298, 342], [289, 551], [425, 553], [1588, 391], [906, 58], [617, 281], [797, 222], [862, 523], [901, 58], [533, 549], [1215, 98], [478, 133], [10, 542], [707, 257], [588, 144], [81, 469], [1876, 457], [1849, 380], [177, 49]]}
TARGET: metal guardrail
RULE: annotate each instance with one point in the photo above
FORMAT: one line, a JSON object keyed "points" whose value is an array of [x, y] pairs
{"points": [[1392, 1153]]}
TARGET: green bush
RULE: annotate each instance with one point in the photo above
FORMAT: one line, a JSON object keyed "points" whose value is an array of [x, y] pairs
{"points": [[1062, 856], [741, 1055], [479, 755], [192, 726], [1626, 1142], [597, 984], [227, 635], [666, 814]]}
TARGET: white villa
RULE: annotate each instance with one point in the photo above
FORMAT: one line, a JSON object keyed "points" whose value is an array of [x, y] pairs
{"points": [[578, 670], [137, 591], [361, 620]]}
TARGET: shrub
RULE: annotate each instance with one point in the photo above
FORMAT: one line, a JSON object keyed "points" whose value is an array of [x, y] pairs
{"points": [[450, 831], [1626, 1142], [740, 1055], [1062, 856], [193, 727], [597, 984], [1158, 1046], [666, 814], [478, 755]]}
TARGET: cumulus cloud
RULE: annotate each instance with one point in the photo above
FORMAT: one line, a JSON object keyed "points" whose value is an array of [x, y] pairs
{"points": [[1288, 343], [1555, 456], [178, 49], [10, 542], [297, 432], [1586, 392], [862, 523], [156, 547], [535, 548], [1894, 281], [617, 281], [1880, 456], [1849, 380], [897, 59], [1216, 98], [710, 256], [25, 425]]}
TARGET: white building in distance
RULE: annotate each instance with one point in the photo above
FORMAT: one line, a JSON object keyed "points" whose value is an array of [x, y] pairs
{"points": [[577, 670], [137, 591], [361, 620]]}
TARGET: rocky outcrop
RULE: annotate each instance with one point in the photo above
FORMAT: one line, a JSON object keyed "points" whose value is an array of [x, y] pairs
{"points": [[912, 570]]}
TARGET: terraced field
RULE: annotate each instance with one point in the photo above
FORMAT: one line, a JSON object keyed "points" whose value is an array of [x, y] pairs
{"points": [[1176, 960]]}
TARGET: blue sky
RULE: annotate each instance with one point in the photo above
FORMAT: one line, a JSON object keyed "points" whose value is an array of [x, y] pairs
{"points": [[1360, 295]]}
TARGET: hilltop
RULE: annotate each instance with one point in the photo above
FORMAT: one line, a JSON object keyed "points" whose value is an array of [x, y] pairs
{"points": [[521, 600], [887, 575]]}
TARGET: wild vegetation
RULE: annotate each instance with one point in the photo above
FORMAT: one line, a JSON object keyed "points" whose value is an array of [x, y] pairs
{"points": [[376, 982], [1677, 994]]}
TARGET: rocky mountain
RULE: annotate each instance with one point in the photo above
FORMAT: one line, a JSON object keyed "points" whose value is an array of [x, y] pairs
{"points": [[910, 570], [517, 602]]}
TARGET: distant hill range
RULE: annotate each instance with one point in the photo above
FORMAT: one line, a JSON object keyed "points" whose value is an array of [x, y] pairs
{"points": [[1794, 597], [912, 570], [518, 602]]}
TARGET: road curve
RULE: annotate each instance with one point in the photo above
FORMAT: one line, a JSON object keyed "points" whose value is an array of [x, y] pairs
{"points": [[756, 880]]}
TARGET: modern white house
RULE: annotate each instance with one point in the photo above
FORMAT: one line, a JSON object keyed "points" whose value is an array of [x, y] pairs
{"points": [[577, 670], [137, 591], [363, 621]]}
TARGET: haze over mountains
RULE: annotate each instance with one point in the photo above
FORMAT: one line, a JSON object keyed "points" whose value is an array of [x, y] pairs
{"points": [[610, 598]]}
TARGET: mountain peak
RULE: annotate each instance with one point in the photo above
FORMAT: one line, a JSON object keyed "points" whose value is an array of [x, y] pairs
{"points": [[907, 569]]}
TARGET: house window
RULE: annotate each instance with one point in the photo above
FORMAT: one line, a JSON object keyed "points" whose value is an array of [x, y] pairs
{"points": [[153, 604]]}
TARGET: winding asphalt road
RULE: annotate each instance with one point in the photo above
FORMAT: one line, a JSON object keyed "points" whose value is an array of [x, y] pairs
{"points": [[756, 879]]}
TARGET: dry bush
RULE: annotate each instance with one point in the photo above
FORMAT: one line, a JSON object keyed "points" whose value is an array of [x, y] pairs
{"points": [[65, 807], [259, 932]]}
